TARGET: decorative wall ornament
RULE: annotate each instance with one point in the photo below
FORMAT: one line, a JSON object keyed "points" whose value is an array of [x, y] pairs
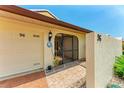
{"points": [[36, 36], [49, 44], [99, 37], [21, 34]]}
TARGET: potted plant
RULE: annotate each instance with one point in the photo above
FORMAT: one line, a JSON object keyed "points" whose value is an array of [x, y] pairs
{"points": [[57, 61]]}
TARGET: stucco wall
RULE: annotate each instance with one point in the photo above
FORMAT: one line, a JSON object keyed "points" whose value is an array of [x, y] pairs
{"points": [[11, 26], [90, 59], [19, 54], [100, 58]]}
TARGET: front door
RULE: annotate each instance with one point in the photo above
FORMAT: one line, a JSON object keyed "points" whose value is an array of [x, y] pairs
{"points": [[67, 48]]}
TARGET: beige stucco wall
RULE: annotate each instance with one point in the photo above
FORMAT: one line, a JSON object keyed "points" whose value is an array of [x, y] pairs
{"points": [[90, 59], [18, 54], [10, 27], [100, 58]]}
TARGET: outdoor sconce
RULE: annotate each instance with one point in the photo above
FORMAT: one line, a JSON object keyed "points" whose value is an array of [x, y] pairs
{"points": [[49, 43], [50, 36], [99, 37]]}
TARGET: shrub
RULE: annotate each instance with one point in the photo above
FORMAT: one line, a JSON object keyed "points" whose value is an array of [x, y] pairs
{"points": [[123, 52], [119, 66]]}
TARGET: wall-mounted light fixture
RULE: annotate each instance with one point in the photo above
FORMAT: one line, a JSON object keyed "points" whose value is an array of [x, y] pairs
{"points": [[99, 37], [50, 36], [49, 43]]}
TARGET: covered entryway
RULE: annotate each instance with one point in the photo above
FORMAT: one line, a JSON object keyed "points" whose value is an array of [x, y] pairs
{"points": [[66, 47]]}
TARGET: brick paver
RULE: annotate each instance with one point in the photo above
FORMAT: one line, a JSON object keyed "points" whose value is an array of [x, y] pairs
{"points": [[72, 77]]}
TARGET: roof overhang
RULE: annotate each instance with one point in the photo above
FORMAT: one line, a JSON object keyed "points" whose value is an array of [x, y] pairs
{"points": [[34, 15]]}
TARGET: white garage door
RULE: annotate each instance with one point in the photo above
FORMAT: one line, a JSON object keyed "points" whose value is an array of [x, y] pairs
{"points": [[20, 51]]}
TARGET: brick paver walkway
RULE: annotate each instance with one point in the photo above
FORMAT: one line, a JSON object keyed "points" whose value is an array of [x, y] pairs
{"points": [[72, 77]]}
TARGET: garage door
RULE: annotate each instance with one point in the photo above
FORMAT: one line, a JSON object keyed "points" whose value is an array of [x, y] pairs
{"points": [[20, 51]]}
